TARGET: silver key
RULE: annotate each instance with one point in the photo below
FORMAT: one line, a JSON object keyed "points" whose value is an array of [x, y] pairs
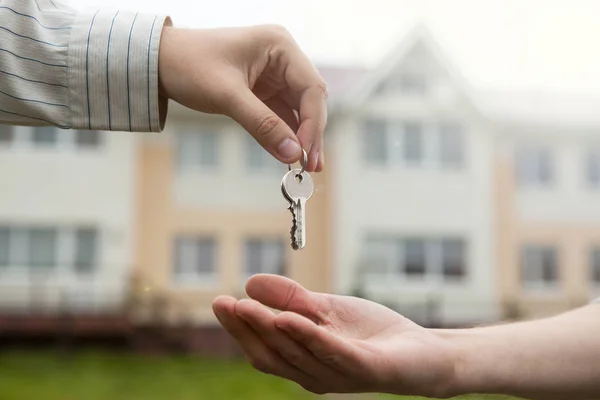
{"points": [[297, 186]]}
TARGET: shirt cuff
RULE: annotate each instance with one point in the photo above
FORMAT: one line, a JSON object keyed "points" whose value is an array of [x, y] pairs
{"points": [[113, 71]]}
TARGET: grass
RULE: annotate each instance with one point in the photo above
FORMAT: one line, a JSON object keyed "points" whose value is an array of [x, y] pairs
{"points": [[93, 375]]}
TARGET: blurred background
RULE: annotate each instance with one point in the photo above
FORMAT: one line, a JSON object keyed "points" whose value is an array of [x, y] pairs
{"points": [[461, 187]]}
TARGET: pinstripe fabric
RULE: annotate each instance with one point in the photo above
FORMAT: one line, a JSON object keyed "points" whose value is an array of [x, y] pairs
{"points": [[82, 70]]}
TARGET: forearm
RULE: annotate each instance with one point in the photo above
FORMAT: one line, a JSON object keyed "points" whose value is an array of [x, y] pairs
{"points": [[94, 69], [553, 358]]}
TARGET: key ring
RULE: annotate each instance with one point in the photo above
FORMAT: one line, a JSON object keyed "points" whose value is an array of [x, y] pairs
{"points": [[303, 162]]}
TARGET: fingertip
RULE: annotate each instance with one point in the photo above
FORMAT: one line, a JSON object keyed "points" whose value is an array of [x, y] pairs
{"points": [[223, 303], [289, 150]]}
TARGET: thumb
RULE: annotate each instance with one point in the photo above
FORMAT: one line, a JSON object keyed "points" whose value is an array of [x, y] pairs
{"points": [[269, 130], [284, 294]]}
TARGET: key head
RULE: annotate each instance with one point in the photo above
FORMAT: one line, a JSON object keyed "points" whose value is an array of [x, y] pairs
{"points": [[297, 184]]}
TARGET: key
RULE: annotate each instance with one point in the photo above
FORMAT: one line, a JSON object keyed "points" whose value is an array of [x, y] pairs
{"points": [[297, 186]]}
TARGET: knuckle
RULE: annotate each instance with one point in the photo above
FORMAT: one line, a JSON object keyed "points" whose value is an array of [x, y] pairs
{"points": [[322, 86], [277, 32], [267, 125], [291, 295], [260, 365], [293, 356]]}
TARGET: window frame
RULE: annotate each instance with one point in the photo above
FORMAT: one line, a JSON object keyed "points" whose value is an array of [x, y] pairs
{"points": [[265, 244], [529, 167], [193, 276], [537, 255], [21, 263], [266, 163], [392, 250]]}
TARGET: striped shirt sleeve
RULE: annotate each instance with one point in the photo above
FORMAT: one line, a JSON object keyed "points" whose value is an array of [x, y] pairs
{"points": [[94, 70]]}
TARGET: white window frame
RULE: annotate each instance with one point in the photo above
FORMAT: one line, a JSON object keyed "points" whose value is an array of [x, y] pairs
{"points": [[192, 277], [527, 166], [385, 161], [64, 269], [431, 141], [440, 134], [539, 286], [265, 244], [396, 255], [199, 134], [592, 155], [267, 165]]}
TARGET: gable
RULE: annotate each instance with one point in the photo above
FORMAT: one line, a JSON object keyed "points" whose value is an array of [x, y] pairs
{"points": [[416, 69], [417, 74]]}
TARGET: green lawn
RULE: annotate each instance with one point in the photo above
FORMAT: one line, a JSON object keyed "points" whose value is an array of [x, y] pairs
{"points": [[105, 376]]}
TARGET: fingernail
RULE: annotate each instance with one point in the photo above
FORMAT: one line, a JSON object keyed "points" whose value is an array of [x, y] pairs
{"points": [[288, 148]]}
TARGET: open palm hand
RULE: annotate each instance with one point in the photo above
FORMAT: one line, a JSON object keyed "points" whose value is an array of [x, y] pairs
{"points": [[334, 344]]}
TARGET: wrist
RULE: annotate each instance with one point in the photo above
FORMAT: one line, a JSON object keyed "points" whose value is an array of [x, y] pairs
{"points": [[163, 98], [479, 361], [164, 57]]}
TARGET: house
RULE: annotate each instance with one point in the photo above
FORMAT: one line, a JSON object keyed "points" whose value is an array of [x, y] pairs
{"points": [[66, 220], [448, 204], [547, 219], [412, 161]]}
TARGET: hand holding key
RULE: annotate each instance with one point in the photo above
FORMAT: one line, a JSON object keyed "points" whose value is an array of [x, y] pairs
{"points": [[297, 187], [258, 76]]}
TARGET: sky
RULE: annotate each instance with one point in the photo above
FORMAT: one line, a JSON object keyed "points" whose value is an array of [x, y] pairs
{"points": [[524, 45]]}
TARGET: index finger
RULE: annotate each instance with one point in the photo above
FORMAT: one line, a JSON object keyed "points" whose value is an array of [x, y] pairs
{"points": [[310, 88]]}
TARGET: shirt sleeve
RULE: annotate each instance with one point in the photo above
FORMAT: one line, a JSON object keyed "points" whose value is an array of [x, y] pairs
{"points": [[95, 69]]}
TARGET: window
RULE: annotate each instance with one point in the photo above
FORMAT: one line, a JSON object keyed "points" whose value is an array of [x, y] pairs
{"points": [[197, 150], [375, 147], [195, 259], [452, 145], [44, 136], [595, 266], [535, 167], [37, 248], [453, 258], [42, 247], [422, 258], [414, 257], [85, 249], [87, 138], [539, 267], [265, 256], [593, 168], [413, 142], [6, 134], [258, 159], [4, 246]]}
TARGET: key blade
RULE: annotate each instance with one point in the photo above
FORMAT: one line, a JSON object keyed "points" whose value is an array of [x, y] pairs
{"points": [[294, 243], [300, 233]]}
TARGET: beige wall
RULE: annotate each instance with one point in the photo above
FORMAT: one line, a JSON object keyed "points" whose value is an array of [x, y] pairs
{"points": [[159, 220], [572, 241]]}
